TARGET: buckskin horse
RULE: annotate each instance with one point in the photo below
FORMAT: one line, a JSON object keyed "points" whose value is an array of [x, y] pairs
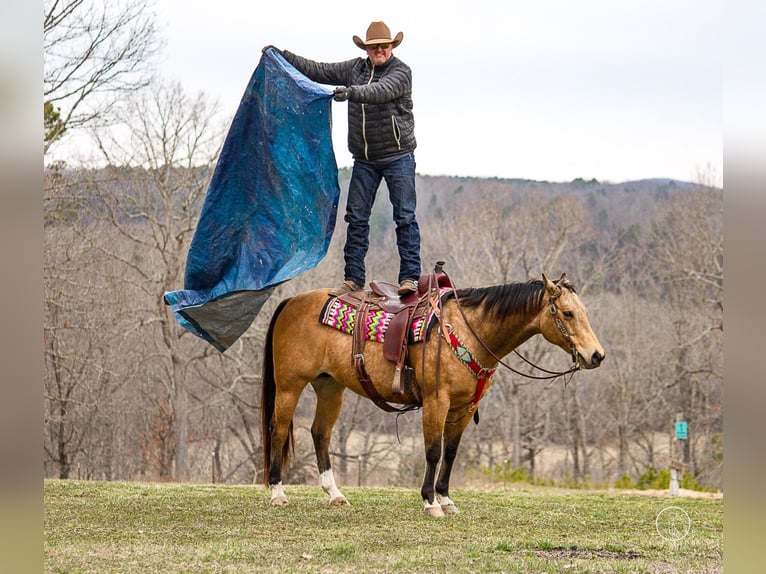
{"points": [[451, 370]]}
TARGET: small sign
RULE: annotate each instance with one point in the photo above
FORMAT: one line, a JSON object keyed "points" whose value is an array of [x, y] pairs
{"points": [[682, 430]]}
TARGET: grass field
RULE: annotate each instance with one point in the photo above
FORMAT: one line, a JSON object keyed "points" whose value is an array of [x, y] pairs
{"points": [[162, 528]]}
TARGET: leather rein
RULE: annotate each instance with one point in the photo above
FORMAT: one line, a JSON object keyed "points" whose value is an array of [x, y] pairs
{"points": [[549, 374], [483, 375]]}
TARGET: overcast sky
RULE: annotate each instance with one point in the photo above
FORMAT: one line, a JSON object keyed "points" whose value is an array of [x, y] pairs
{"points": [[547, 90]]}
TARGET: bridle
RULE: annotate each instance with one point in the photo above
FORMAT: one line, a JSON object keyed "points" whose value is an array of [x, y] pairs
{"points": [[574, 367], [560, 324]]}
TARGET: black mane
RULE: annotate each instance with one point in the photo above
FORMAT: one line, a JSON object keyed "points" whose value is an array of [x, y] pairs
{"points": [[509, 299]]}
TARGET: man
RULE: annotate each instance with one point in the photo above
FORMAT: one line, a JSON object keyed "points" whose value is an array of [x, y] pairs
{"points": [[381, 138]]}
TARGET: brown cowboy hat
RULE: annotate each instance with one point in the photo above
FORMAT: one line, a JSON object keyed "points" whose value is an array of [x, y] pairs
{"points": [[378, 33]]}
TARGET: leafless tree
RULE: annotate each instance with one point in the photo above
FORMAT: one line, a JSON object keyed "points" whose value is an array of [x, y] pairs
{"points": [[175, 138], [95, 52], [687, 246], [137, 217], [76, 373]]}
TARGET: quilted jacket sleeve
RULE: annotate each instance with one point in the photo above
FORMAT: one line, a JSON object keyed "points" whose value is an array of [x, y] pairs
{"points": [[334, 73]]}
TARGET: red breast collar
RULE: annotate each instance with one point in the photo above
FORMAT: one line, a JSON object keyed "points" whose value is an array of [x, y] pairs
{"points": [[482, 374]]}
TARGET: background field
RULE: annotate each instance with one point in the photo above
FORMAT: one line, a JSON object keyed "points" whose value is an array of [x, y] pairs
{"points": [[153, 527]]}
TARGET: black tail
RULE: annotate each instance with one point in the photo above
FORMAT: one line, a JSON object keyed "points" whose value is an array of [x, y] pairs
{"points": [[268, 394]]}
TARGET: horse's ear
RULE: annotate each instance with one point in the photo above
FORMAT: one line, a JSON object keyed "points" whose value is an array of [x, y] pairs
{"points": [[564, 280], [553, 289]]}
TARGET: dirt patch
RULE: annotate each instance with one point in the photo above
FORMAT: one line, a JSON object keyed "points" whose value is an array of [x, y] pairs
{"points": [[577, 553]]}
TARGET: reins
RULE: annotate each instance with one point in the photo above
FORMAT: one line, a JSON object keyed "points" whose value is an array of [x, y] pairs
{"points": [[483, 375], [549, 374]]}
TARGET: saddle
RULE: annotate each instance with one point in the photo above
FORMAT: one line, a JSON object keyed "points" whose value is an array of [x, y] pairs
{"points": [[405, 310]]}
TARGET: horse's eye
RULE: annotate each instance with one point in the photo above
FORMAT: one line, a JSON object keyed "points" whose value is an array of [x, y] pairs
{"points": [[568, 314]]}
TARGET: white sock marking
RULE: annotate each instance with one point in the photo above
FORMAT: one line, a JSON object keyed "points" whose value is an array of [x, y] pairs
{"points": [[329, 486], [277, 490]]}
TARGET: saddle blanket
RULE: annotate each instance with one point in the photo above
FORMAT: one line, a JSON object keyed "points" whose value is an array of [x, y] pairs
{"points": [[342, 316]]}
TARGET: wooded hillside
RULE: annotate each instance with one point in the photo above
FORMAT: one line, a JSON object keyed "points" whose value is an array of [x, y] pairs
{"points": [[130, 395]]}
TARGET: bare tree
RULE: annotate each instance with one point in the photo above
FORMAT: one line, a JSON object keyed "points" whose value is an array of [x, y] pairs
{"points": [[174, 136], [95, 52], [135, 219], [83, 373], [687, 244]]}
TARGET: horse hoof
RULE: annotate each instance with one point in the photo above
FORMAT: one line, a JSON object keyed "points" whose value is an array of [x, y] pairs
{"points": [[279, 501], [340, 501], [450, 509], [435, 511]]}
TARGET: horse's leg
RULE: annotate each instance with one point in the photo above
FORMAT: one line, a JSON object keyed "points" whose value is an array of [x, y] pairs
{"points": [[434, 417], [453, 432], [329, 402], [281, 431]]}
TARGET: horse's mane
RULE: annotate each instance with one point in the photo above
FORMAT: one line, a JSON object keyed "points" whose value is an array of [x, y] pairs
{"points": [[508, 299]]}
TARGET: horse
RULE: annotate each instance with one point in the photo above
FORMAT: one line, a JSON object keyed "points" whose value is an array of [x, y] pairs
{"points": [[478, 326]]}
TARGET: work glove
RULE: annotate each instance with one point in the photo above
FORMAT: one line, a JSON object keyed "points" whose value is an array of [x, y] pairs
{"points": [[277, 50], [342, 93]]}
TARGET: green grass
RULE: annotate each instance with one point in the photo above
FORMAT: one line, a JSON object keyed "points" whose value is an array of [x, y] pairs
{"points": [[161, 528]]}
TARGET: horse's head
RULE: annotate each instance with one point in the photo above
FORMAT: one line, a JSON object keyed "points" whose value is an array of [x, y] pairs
{"points": [[565, 323]]}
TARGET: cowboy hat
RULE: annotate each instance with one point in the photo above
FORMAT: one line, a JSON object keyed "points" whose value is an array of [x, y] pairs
{"points": [[378, 33]]}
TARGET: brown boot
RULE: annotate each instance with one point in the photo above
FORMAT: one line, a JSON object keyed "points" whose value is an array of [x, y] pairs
{"points": [[407, 287], [346, 287]]}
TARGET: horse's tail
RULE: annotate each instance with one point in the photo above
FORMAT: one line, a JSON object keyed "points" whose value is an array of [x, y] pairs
{"points": [[268, 394]]}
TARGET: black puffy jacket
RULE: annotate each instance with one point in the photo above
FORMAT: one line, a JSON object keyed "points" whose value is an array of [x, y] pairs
{"points": [[381, 125]]}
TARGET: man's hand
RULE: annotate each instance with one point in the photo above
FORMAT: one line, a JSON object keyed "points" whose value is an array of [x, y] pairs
{"points": [[342, 93]]}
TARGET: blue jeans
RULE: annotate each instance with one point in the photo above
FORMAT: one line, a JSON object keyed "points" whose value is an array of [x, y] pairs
{"points": [[365, 179]]}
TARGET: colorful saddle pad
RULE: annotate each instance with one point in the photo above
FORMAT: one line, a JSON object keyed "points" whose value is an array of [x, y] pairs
{"points": [[342, 316]]}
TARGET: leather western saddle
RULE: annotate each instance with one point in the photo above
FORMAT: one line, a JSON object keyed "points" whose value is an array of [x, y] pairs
{"points": [[405, 310]]}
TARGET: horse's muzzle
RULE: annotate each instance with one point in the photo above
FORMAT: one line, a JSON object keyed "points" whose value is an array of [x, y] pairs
{"points": [[595, 360]]}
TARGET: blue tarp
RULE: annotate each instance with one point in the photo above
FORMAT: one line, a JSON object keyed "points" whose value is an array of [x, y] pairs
{"points": [[270, 209]]}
